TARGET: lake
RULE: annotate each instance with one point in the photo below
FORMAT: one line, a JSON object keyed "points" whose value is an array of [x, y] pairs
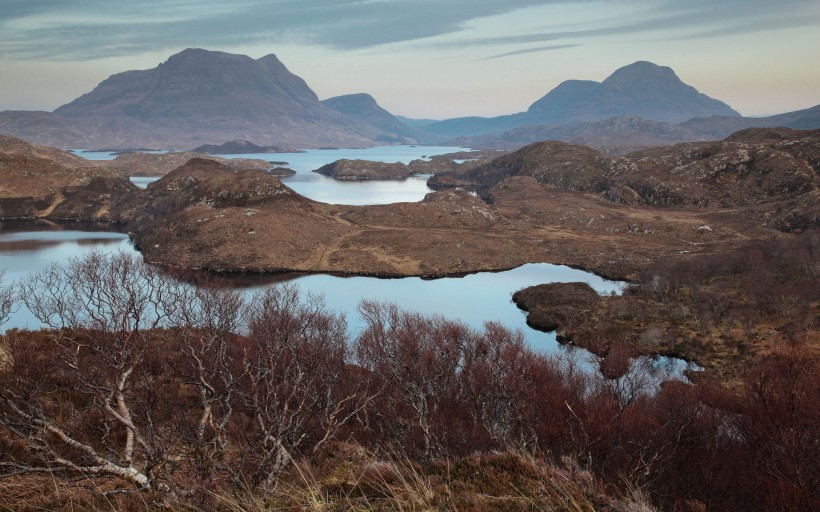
{"points": [[473, 299], [328, 190]]}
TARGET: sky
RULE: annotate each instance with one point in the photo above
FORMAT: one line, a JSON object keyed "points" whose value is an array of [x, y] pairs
{"points": [[432, 59]]}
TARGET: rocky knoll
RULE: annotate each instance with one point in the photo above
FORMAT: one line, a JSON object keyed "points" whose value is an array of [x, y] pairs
{"points": [[572, 167], [159, 164], [14, 146], [36, 183], [360, 170], [241, 147]]}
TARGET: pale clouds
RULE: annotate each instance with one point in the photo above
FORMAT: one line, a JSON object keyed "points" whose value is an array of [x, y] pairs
{"points": [[81, 30]]}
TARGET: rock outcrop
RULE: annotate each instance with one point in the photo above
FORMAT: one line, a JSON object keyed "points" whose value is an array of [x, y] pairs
{"points": [[37, 182]]}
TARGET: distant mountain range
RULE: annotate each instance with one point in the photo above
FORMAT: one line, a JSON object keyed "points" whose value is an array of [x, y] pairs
{"points": [[202, 97]]}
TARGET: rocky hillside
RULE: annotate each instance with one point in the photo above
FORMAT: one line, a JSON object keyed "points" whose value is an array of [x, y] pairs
{"points": [[19, 147], [551, 202], [719, 127], [37, 182], [747, 170], [617, 136], [613, 136]]}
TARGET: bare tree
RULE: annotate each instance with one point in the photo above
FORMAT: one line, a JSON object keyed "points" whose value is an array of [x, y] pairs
{"points": [[294, 395], [8, 298], [494, 366], [104, 313], [209, 354], [419, 355]]}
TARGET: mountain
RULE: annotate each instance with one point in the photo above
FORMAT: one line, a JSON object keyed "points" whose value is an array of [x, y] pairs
{"points": [[197, 97], [199, 84], [640, 89], [364, 107], [652, 92]]}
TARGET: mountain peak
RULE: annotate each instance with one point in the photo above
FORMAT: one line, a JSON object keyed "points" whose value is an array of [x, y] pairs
{"points": [[352, 103], [191, 57], [643, 72]]}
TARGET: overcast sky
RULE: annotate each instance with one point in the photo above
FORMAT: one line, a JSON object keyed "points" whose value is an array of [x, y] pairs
{"points": [[425, 58]]}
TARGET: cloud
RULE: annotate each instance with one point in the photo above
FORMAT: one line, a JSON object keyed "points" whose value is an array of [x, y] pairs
{"points": [[667, 21], [81, 30], [75, 30], [532, 50]]}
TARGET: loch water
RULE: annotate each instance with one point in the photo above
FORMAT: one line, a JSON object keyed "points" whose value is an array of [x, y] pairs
{"points": [[328, 190], [473, 299]]}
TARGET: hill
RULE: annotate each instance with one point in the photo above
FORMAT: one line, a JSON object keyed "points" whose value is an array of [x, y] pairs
{"points": [[364, 107]]}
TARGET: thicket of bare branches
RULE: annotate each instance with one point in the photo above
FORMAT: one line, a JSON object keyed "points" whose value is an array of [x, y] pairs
{"points": [[177, 389]]}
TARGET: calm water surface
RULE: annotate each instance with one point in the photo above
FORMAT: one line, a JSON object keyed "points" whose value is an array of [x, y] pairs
{"points": [[327, 190], [474, 299]]}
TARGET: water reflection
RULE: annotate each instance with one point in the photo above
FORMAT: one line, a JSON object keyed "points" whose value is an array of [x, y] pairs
{"points": [[328, 190]]}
